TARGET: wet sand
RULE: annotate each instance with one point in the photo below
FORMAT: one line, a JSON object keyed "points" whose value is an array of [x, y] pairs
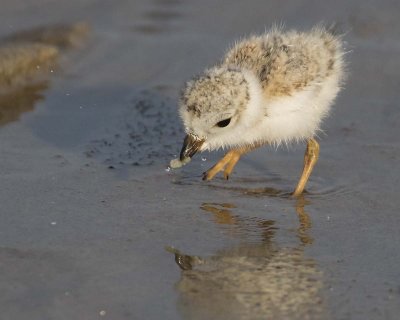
{"points": [[94, 225]]}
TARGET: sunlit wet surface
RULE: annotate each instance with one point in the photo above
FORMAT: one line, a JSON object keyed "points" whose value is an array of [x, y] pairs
{"points": [[94, 224]]}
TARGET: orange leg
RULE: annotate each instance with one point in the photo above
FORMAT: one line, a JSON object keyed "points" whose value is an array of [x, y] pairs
{"points": [[310, 159], [227, 163]]}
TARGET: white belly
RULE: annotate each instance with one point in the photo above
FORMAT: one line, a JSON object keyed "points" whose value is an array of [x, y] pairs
{"points": [[297, 117]]}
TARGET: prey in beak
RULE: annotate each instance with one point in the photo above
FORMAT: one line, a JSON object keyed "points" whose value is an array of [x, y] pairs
{"points": [[191, 145]]}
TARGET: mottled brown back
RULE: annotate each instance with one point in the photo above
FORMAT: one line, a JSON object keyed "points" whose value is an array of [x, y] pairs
{"points": [[287, 62]]}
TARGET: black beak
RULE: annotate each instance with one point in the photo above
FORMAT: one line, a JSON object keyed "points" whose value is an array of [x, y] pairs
{"points": [[191, 145]]}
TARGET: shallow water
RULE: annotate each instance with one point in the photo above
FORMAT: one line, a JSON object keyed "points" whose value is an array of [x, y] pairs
{"points": [[94, 224]]}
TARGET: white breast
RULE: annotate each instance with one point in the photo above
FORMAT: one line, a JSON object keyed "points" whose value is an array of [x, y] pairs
{"points": [[296, 117]]}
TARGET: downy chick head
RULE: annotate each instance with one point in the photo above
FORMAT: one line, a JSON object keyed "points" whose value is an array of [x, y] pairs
{"points": [[213, 108]]}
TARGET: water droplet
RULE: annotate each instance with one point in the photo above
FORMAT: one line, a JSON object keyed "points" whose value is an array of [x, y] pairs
{"points": [[203, 159], [102, 313], [167, 169], [53, 223]]}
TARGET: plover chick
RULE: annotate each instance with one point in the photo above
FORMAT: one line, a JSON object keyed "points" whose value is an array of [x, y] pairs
{"points": [[269, 89]]}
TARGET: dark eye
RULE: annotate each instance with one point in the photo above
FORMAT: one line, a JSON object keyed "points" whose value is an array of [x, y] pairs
{"points": [[223, 123]]}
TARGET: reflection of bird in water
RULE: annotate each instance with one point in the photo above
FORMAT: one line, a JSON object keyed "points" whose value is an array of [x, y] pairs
{"points": [[269, 89], [254, 280]]}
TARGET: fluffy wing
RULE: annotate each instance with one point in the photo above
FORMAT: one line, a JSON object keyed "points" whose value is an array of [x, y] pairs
{"points": [[288, 62]]}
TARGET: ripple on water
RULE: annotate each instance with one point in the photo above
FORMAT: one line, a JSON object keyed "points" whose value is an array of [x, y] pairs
{"points": [[271, 185], [324, 188]]}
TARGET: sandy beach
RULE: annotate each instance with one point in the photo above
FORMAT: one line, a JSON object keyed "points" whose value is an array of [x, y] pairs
{"points": [[95, 225]]}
